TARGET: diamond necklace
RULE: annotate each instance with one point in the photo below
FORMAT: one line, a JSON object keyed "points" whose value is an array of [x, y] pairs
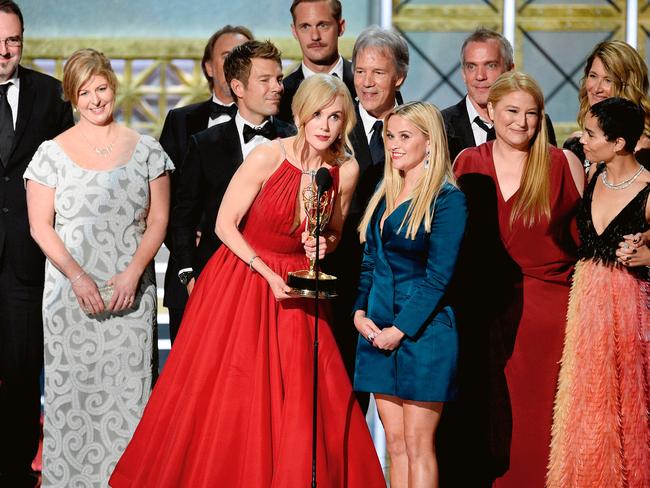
{"points": [[105, 151], [623, 184]]}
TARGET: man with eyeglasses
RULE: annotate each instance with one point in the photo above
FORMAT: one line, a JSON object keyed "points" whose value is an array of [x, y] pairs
{"points": [[31, 111]]}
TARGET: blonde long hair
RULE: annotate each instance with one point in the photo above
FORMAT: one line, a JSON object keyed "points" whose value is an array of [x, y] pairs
{"points": [[534, 198], [315, 93], [629, 74], [428, 120]]}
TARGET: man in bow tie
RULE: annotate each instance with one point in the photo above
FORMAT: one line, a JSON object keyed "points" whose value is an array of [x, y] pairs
{"points": [[179, 125], [253, 71]]}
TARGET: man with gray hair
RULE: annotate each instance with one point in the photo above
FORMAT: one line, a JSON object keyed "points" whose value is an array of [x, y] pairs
{"points": [[380, 61], [484, 56]]}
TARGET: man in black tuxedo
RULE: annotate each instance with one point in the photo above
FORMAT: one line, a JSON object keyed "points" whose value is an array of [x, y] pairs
{"points": [[253, 71], [183, 122], [381, 61], [485, 55], [31, 111], [317, 26]]}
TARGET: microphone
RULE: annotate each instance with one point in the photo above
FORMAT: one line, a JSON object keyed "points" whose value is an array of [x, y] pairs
{"points": [[323, 180]]}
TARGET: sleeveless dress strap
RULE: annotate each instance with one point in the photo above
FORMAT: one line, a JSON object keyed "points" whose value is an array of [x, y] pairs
{"points": [[284, 152]]}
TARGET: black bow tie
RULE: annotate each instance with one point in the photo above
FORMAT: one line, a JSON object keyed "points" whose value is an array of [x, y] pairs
{"points": [[491, 134], [267, 131], [217, 110]]}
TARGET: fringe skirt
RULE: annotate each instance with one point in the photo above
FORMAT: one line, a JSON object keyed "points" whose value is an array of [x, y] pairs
{"points": [[601, 423]]}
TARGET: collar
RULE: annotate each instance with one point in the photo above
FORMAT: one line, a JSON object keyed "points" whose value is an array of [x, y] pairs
{"points": [[15, 79], [216, 99], [241, 121], [367, 120], [338, 69], [472, 112]]}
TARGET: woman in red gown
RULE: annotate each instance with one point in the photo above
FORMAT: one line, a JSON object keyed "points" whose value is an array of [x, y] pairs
{"points": [[233, 406], [532, 190]]}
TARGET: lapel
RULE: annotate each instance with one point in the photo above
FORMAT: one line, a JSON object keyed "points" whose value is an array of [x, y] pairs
{"points": [[292, 82], [360, 143], [26, 97], [197, 120], [463, 126], [348, 77], [228, 144], [282, 128], [383, 273]]}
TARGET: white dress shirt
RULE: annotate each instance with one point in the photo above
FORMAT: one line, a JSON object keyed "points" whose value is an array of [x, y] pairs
{"points": [[337, 69], [246, 148], [480, 136], [12, 95], [223, 117]]}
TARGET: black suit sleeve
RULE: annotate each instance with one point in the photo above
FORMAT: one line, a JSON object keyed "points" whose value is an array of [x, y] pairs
{"points": [[66, 120], [168, 139], [187, 209]]}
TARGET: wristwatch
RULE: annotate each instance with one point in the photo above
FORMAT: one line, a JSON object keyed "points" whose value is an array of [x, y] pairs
{"points": [[185, 276]]}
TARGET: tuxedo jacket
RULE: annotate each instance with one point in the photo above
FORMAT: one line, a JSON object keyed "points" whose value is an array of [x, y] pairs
{"points": [[212, 158], [180, 124], [459, 128], [292, 82], [42, 115]]}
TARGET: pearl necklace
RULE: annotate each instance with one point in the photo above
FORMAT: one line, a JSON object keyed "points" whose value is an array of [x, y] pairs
{"points": [[623, 184]]}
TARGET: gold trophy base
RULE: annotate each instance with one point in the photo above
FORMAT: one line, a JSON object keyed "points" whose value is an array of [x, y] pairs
{"points": [[303, 284]]}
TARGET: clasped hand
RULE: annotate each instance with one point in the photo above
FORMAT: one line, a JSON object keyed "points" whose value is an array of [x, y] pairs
{"points": [[386, 339], [633, 251], [125, 285]]}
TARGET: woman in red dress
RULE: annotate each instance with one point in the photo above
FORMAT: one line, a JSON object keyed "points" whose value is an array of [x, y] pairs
{"points": [[530, 190], [233, 406]]}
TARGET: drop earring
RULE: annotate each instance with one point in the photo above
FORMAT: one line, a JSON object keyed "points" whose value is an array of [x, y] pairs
{"points": [[426, 160]]}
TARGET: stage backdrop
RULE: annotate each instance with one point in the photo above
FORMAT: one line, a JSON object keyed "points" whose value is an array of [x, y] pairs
{"points": [[156, 44]]}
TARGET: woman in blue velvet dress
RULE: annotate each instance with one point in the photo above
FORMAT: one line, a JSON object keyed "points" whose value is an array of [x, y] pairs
{"points": [[408, 344]]}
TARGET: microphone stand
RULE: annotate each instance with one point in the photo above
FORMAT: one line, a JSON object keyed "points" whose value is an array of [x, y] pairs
{"points": [[314, 429]]}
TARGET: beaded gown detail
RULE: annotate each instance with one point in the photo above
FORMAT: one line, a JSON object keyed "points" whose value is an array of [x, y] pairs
{"points": [[233, 406], [601, 429]]}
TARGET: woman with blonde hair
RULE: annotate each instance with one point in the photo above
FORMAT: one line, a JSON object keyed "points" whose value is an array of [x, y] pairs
{"points": [[522, 194], [613, 69], [408, 345], [98, 199], [238, 382]]}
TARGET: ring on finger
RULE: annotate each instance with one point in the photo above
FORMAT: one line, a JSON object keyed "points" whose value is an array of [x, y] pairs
{"points": [[371, 336]]}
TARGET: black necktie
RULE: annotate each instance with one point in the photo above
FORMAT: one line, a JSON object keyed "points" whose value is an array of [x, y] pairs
{"points": [[376, 144], [216, 110], [267, 131], [6, 125], [491, 135]]}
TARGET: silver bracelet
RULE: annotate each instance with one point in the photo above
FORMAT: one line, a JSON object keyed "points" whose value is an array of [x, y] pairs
{"points": [[250, 262], [77, 278]]}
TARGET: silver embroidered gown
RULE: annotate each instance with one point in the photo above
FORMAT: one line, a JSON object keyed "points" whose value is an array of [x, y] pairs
{"points": [[98, 369]]}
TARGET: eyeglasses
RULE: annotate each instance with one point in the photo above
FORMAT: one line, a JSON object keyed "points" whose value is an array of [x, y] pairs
{"points": [[14, 41]]}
